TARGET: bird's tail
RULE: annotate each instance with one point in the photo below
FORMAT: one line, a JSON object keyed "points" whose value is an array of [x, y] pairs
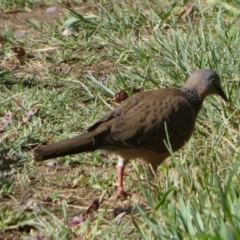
{"points": [[83, 143]]}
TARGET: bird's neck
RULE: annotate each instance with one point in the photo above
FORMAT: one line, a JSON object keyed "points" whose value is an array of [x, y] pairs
{"points": [[193, 97]]}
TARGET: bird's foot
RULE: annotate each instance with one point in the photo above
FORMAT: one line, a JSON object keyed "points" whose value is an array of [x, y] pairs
{"points": [[122, 194], [120, 168]]}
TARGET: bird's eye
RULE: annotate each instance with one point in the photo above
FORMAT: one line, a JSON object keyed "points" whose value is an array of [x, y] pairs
{"points": [[213, 80]]}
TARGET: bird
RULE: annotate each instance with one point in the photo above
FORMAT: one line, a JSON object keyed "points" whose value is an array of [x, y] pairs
{"points": [[143, 126]]}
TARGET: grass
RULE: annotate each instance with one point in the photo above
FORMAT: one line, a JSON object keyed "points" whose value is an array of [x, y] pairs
{"points": [[115, 46]]}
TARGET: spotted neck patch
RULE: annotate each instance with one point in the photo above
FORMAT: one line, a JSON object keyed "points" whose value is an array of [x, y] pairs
{"points": [[193, 97]]}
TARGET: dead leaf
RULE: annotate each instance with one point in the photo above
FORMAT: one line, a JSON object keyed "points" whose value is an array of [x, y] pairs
{"points": [[5, 121], [18, 102], [120, 96], [51, 9], [80, 219], [188, 11], [51, 164], [66, 32], [21, 54], [31, 113], [19, 33], [119, 217], [19, 51]]}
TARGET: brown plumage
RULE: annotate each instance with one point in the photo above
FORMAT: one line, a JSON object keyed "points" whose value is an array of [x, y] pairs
{"points": [[144, 124]]}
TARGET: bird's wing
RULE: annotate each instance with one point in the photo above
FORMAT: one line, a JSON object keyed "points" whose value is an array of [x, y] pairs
{"points": [[120, 111], [145, 117]]}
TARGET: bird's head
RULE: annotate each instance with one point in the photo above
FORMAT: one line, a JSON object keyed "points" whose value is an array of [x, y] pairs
{"points": [[205, 82]]}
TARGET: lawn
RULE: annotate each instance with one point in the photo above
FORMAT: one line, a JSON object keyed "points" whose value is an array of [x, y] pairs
{"points": [[62, 66]]}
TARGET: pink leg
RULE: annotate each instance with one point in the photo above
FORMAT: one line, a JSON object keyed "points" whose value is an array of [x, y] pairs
{"points": [[120, 168]]}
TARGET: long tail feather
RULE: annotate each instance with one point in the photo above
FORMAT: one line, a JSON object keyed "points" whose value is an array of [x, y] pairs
{"points": [[82, 143]]}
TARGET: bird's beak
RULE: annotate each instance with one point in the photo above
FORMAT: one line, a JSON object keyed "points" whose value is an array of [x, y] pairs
{"points": [[221, 93]]}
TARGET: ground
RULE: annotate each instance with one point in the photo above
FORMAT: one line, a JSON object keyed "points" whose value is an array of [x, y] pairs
{"points": [[62, 66]]}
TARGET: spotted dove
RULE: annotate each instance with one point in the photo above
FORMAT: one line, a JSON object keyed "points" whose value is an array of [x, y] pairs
{"points": [[144, 125]]}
